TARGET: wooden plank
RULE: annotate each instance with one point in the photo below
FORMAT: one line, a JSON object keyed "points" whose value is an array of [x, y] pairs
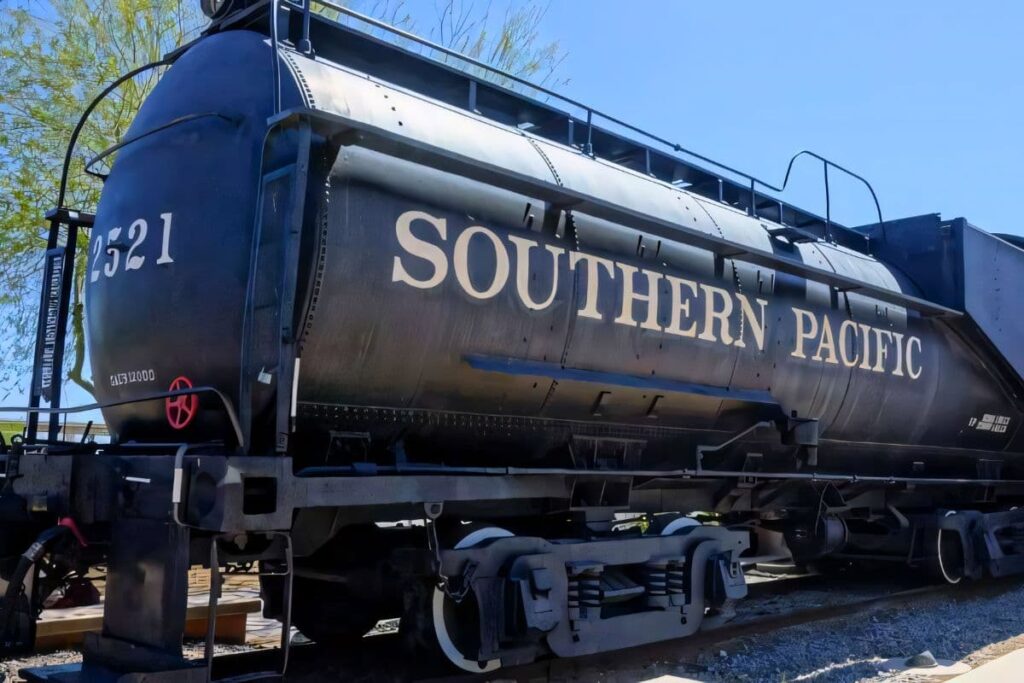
{"points": [[61, 628]]}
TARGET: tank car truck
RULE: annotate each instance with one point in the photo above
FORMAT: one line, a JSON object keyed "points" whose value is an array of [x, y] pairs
{"points": [[529, 378]]}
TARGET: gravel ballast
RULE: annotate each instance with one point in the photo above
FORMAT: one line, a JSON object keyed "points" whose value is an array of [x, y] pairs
{"points": [[858, 648], [973, 627]]}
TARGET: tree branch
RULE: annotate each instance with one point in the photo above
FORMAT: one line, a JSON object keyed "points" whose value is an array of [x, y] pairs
{"points": [[78, 338]]}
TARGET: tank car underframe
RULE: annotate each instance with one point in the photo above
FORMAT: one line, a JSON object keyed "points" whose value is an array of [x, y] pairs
{"points": [[165, 512]]}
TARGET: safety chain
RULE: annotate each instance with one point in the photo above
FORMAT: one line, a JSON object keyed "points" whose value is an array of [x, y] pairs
{"points": [[456, 588]]}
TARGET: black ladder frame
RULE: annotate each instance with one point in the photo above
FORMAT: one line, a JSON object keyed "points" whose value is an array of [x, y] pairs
{"points": [[52, 324]]}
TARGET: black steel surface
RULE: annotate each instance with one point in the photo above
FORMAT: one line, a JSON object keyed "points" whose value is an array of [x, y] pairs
{"points": [[374, 350]]}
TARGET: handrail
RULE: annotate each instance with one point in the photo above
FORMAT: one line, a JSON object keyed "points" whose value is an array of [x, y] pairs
{"points": [[162, 127], [828, 202], [65, 171], [275, 57], [228, 406], [591, 113]]}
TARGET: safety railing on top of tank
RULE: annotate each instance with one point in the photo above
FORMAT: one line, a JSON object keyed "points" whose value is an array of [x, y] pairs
{"points": [[592, 116]]}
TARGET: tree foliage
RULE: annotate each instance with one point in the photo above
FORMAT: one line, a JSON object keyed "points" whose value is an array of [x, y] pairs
{"points": [[56, 55]]}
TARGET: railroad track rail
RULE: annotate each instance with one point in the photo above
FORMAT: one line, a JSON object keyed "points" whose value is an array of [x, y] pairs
{"points": [[685, 651], [769, 607]]}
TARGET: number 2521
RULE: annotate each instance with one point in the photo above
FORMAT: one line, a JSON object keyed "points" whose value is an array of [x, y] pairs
{"points": [[132, 260]]}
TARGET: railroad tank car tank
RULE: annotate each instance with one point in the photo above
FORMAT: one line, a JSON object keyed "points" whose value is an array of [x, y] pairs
{"points": [[474, 321]]}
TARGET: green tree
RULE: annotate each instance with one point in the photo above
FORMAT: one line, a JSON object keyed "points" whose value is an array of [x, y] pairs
{"points": [[56, 55]]}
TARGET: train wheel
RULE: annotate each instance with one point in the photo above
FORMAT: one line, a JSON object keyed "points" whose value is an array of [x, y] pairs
{"points": [[450, 631], [950, 555]]}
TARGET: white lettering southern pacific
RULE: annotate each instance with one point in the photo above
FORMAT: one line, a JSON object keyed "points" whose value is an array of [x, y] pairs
{"points": [[856, 345], [640, 288], [641, 295]]}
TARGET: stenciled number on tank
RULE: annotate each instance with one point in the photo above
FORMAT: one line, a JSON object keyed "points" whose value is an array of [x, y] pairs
{"points": [[119, 379], [107, 248]]}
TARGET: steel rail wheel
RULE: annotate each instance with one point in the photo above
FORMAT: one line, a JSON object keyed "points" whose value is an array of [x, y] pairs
{"points": [[456, 625]]}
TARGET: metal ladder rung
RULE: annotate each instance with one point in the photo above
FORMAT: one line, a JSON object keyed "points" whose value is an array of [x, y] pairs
{"points": [[216, 582]]}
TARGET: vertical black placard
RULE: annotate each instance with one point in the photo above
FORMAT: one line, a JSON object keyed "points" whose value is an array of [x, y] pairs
{"points": [[51, 300]]}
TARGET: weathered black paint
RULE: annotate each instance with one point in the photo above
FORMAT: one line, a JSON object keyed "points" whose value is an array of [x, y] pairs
{"points": [[381, 357]]}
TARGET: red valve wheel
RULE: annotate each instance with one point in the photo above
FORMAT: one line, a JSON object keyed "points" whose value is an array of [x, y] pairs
{"points": [[180, 410]]}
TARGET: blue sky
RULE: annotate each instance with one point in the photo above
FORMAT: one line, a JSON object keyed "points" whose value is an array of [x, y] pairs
{"points": [[923, 98]]}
